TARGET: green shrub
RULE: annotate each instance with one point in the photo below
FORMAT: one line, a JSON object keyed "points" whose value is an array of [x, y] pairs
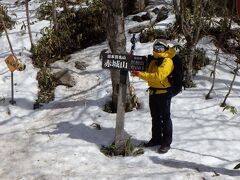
{"points": [[200, 59], [108, 107], [127, 149], [151, 34], [77, 28], [230, 108], [9, 23], [46, 85]]}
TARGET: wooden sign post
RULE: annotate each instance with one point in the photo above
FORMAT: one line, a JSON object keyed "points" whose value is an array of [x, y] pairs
{"points": [[125, 63]]}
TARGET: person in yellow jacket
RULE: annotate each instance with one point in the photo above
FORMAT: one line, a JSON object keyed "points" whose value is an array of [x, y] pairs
{"points": [[156, 75]]}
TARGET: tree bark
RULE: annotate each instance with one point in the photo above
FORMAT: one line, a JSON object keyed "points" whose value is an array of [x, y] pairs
{"points": [[189, 75], [208, 96], [190, 24], [116, 40], [5, 30], [115, 78], [177, 12], [117, 43], [55, 24], [223, 104], [28, 24]]}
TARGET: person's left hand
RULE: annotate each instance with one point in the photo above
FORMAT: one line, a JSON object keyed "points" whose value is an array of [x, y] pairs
{"points": [[135, 73]]}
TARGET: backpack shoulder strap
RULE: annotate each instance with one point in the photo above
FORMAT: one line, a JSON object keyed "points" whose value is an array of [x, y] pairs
{"points": [[151, 58]]}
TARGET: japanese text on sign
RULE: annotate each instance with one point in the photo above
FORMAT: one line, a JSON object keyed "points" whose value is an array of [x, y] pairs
{"points": [[138, 63], [124, 62]]}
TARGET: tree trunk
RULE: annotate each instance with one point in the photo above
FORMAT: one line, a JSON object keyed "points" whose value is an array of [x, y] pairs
{"points": [[28, 24], [177, 12], [117, 43], [116, 40], [139, 5], [208, 96], [115, 78], [223, 104], [190, 24], [189, 72], [5, 30], [65, 6], [55, 24]]}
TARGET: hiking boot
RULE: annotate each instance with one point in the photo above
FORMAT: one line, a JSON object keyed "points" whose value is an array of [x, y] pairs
{"points": [[163, 149], [151, 143]]}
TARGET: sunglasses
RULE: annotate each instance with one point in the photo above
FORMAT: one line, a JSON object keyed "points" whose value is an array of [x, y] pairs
{"points": [[159, 48]]}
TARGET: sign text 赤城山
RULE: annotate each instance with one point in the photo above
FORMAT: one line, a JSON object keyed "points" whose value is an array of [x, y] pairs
{"points": [[124, 62]]}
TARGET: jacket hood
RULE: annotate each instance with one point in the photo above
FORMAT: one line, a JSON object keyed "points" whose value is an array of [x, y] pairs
{"points": [[170, 53]]}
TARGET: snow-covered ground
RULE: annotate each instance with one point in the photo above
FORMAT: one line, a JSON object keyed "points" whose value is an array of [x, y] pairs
{"points": [[57, 141]]}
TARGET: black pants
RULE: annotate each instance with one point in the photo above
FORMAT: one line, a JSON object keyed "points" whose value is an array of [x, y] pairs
{"points": [[161, 121]]}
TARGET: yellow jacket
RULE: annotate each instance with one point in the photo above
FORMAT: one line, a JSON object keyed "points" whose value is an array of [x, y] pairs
{"points": [[155, 75]]}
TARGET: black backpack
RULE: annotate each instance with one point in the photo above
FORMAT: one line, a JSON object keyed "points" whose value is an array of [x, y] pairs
{"points": [[176, 76]]}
